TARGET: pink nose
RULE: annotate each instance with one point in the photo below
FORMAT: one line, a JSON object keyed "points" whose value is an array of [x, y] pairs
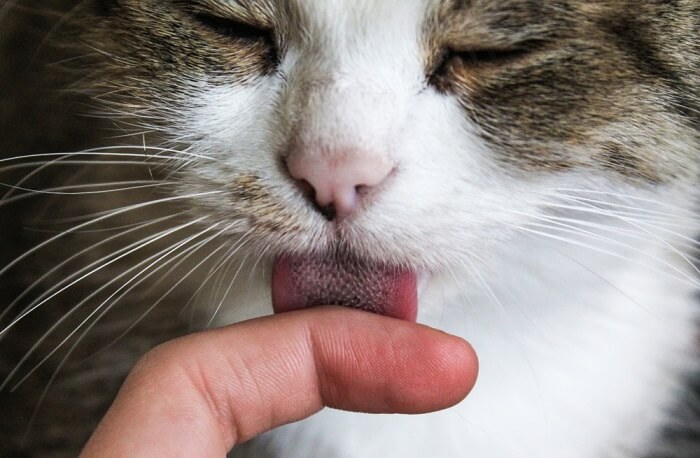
{"points": [[339, 181]]}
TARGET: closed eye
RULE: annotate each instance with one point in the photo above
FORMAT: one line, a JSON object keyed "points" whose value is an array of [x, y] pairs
{"points": [[474, 60], [487, 56], [480, 57], [233, 29]]}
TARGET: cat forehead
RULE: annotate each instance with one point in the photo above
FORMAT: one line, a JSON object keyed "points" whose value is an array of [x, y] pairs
{"points": [[363, 10], [337, 9], [338, 17]]}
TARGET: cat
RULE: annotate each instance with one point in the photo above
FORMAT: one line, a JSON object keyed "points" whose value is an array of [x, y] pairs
{"points": [[522, 174]]}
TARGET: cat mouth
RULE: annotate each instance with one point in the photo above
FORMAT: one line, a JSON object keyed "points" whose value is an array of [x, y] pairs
{"points": [[301, 282]]}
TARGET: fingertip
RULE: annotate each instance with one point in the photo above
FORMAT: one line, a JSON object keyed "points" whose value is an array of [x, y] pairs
{"points": [[385, 365], [456, 368], [441, 373]]}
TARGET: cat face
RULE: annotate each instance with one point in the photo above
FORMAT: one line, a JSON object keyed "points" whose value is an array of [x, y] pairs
{"points": [[414, 133]]}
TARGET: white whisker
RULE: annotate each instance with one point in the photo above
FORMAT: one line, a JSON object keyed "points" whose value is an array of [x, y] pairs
{"points": [[631, 197], [121, 186], [226, 293], [173, 287], [58, 267], [654, 236], [149, 262], [141, 245], [223, 259], [685, 278], [101, 218]]}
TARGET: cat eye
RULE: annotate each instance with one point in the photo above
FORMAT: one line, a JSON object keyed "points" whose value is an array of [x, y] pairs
{"points": [[236, 30], [476, 59], [487, 56], [259, 40], [483, 56]]}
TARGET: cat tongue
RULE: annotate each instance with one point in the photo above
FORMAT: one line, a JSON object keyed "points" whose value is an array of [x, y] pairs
{"points": [[310, 281]]}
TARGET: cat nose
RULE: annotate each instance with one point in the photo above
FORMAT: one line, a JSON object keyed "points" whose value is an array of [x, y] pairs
{"points": [[339, 182]]}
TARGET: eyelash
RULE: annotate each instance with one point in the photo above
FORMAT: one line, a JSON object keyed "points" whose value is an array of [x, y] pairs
{"points": [[241, 32], [475, 58], [233, 29], [486, 56]]}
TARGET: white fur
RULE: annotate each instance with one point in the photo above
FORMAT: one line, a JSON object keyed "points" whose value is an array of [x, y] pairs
{"points": [[582, 341], [580, 355]]}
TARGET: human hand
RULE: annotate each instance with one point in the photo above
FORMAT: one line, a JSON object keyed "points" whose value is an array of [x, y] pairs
{"points": [[203, 394]]}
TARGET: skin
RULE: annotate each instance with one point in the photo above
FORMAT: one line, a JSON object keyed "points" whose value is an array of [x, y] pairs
{"points": [[203, 394]]}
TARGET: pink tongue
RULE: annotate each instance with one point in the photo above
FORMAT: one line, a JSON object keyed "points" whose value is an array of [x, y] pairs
{"points": [[303, 282]]}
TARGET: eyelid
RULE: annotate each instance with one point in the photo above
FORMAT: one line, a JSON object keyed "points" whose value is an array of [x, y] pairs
{"points": [[498, 52], [488, 55], [233, 27], [226, 11], [497, 45], [480, 58]]}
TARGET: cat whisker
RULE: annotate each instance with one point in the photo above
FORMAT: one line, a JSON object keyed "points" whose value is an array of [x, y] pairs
{"points": [[62, 63], [504, 311], [121, 186], [684, 277], [25, 165], [587, 208], [157, 302], [223, 259], [92, 231], [655, 224], [178, 283], [654, 236], [629, 210], [52, 292], [235, 277], [221, 279], [65, 358], [227, 291], [102, 262], [260, 257], [643, 224], [15, 6], [109, 303], [628, 197], [475, 272], [603, 279], [572, 226], [92, 247], [99, 152], [638, 232], [63, 20], [35, 172], [75, 219], [149, 262], [124, 150], [59, 190], [111, 214]]}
